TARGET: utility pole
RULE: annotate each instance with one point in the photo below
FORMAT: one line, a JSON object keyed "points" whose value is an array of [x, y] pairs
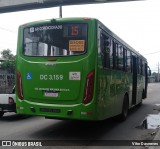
{"points": [[60, 11], [158, 72]]}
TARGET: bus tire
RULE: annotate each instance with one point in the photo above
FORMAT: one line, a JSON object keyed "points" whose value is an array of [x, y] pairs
{"points": [[1, 114], [125, 109]]}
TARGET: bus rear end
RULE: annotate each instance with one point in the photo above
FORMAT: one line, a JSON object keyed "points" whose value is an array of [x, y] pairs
{"points": [[56, 69]]}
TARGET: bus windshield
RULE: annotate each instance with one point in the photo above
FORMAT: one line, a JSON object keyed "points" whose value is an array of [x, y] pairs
{"points": [[55, 39]]}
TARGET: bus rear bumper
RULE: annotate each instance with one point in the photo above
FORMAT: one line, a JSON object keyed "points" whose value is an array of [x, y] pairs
{"points": [[55, 111]]}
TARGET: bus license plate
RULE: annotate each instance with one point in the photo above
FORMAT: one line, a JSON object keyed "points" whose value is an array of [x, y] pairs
{"points": [[50, 94]]}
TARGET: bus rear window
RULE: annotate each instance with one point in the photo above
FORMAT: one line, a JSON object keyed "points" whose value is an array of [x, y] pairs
{"points": [[55, 40]]}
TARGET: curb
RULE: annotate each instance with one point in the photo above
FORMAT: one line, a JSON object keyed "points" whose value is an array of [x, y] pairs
{"points": [[157, 137]]}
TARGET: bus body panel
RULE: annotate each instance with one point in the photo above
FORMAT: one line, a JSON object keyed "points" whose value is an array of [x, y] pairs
{"points": [[48, 85], [53, 88]]}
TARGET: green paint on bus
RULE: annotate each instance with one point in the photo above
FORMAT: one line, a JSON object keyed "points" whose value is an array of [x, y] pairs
{"points": [[76, 68]]}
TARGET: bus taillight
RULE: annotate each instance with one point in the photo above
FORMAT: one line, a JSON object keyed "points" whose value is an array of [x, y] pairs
{"points": [[89, 88], [19, 86]]}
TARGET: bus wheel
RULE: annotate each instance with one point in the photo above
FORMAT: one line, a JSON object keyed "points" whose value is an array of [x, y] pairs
{"points": [[125, 108], [1, 114]]}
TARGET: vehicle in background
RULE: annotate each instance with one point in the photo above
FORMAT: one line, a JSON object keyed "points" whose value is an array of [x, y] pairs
{"points": [[7, 102]]}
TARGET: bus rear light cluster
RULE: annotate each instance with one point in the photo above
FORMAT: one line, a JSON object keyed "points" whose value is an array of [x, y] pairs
{"points": [[89, 88], [19, 86]]}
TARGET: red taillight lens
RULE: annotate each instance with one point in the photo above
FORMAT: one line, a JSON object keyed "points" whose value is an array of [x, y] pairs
{"points": [[89, 88], [19, 86]]}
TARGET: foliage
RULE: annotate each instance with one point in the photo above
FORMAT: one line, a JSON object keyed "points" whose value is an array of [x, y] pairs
{"points": [[9, 63]]}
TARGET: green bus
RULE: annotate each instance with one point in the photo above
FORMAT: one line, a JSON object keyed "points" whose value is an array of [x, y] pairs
{"points": [[76, 68]]}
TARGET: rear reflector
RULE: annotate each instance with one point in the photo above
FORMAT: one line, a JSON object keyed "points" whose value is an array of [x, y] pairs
{"points": [[86, 113], [19, 85], [89, 88]]}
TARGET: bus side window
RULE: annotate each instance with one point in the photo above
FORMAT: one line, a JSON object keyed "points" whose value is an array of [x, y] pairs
{"points": [[114, 55], [102, 50], [124, 59], [128, 61], [137, 65], [105, 50], [115, 49], [120, 57], [111, 54], [141, 67]]}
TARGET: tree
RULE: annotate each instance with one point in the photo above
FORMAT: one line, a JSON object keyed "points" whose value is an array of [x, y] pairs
{"points": [[9, 63]]}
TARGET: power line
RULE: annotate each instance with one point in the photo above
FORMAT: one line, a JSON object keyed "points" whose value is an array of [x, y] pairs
{"points": [[8, 30], [152, 53]]}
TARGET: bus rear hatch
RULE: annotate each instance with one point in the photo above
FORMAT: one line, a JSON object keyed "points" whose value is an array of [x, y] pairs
{"points": [[54, 56]]}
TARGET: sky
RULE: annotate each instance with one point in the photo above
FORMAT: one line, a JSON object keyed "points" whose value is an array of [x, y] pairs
{"points": [[136, 22]]}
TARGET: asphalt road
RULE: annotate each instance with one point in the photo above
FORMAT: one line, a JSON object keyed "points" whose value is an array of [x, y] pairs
{"points": [[95, 134]]}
